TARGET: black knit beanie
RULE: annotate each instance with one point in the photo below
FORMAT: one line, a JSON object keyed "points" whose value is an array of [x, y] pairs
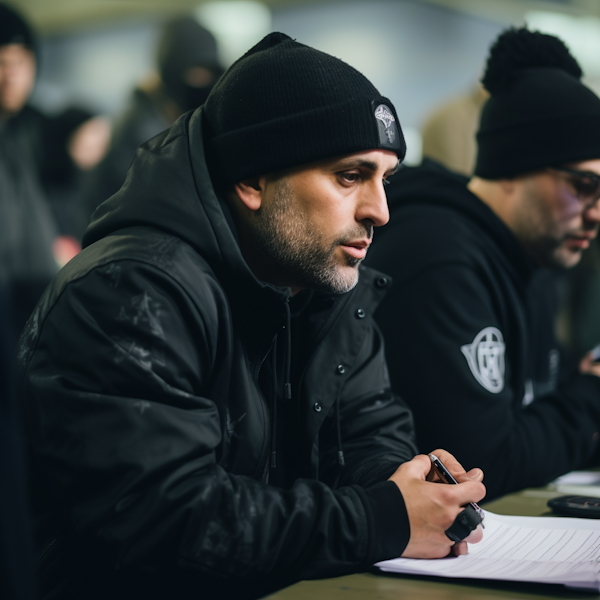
{"points": [[14, 29], [539, 113], [284, 104]]}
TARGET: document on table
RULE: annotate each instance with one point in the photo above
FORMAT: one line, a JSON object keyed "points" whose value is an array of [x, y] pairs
{"points": [[535, 549], [582, 483]]}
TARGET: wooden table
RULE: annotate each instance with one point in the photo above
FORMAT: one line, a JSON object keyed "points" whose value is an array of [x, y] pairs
{"points": [[367, 586]]}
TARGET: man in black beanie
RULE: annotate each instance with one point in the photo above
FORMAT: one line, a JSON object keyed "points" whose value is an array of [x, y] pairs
{"points": [[209, 403], [469, 321]]}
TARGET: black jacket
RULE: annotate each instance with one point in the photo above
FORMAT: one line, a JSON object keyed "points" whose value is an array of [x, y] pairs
{"points": [[469, 338], [27, 228], [155, 374]]}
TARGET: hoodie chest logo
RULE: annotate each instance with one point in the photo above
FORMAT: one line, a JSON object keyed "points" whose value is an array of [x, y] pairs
{"points": [[485, 357]]}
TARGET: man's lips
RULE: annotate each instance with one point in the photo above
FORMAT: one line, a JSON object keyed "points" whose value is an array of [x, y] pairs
{"points": [[581, 240], [357, 249]]}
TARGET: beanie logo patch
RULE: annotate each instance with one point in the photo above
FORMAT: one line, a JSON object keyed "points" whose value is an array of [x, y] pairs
{"points": [[386, 125]]}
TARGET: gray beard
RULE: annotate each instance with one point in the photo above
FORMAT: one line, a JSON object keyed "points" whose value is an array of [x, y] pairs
{"points": [[296, 254]]}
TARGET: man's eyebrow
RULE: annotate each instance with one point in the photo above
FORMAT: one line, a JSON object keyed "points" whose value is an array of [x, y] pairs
{"points": [[367, 164], [393, 170]]}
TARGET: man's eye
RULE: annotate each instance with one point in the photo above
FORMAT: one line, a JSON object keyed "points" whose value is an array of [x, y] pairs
{"points": [[351, 177], [585, 187], [386, 182]]}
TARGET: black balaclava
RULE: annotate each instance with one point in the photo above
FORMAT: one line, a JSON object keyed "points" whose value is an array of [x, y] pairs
{"points": [[185, 44], [284, 104], [539, 114]]}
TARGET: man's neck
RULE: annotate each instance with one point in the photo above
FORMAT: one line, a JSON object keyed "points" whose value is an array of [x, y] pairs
{"points": [[496, 195]]}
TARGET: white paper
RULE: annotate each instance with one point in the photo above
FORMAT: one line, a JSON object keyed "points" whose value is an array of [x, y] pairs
{"points": [[582, 483], [535, 549]]}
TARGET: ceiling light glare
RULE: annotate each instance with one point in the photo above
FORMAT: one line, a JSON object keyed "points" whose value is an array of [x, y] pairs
{"points": [[237, 25]]}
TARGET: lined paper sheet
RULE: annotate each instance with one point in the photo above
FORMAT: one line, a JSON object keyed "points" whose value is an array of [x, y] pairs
{"points": [[535, 549]]}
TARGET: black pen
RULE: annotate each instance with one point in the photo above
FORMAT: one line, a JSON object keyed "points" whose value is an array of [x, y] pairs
{"points": [[446, 477]]}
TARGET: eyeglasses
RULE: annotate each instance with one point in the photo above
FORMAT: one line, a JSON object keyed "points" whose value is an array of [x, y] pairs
{"points": [[585, 184]]}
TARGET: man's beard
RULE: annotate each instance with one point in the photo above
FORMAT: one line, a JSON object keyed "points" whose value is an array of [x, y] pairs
{"points": [[297, 255], [541, 237]]}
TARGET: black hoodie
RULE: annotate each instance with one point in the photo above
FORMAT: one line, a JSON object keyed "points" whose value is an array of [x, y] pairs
{"points": [[153, 370], [469, 338]]}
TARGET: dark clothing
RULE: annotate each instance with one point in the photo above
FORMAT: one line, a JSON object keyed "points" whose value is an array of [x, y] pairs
{"points": [[27, 228], [62, 179], [156, 374], [469, 338], [143, 118], [43, 141], [16, 560]]}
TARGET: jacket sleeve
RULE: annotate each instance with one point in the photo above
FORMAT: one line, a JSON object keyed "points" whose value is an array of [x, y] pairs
{"points": [[129, 447], [455, 363]]}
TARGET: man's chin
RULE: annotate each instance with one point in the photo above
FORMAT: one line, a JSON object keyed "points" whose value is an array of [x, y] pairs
{"points": [[565, 258], [343, 280]]}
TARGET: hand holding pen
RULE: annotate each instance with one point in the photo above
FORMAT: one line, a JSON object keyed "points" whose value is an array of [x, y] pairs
{"points": [[433, 508], [470, 519]]}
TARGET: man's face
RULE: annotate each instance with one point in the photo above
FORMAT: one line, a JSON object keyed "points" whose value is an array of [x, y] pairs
{"points": [[17, 76], [315, 224], [554, 222]]}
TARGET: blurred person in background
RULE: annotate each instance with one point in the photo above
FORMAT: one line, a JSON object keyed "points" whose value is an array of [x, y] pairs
{"points": [[72, 143], [27, 227], [469, 322], [188, 67]]}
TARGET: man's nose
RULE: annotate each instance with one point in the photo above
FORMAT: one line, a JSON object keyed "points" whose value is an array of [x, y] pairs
{"points": [[592, 213], [374, 206]]}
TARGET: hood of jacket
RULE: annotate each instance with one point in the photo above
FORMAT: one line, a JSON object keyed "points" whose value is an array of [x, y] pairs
{"points": [[449, 214], [168, 187]]}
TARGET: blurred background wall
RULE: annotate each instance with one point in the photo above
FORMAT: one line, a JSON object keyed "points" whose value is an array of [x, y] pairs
{"points": [[417, 52]]}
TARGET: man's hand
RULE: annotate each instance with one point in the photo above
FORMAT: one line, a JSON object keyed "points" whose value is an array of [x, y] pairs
{"points": [[432, 507], [587, 366]]}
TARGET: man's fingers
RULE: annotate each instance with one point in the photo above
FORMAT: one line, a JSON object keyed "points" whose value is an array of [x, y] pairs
{"points": [[460, 548], [472, 475], [418, 467], [589, 367], [467, 491], [449, 462], [475, 536]]}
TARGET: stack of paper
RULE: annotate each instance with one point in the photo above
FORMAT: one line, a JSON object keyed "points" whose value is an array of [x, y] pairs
{"points": [[535, 549], [582, 483]]}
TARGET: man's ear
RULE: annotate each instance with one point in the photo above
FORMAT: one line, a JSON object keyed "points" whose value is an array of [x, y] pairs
{"points": [[250, 192]]}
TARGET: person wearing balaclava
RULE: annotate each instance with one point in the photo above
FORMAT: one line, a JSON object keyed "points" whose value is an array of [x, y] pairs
{"points": [[187, 68], [27, 228], [469, 321]]}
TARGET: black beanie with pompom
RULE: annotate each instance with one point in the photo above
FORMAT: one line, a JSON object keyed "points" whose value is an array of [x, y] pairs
{"points": [[539, 114], [284, 104]]}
